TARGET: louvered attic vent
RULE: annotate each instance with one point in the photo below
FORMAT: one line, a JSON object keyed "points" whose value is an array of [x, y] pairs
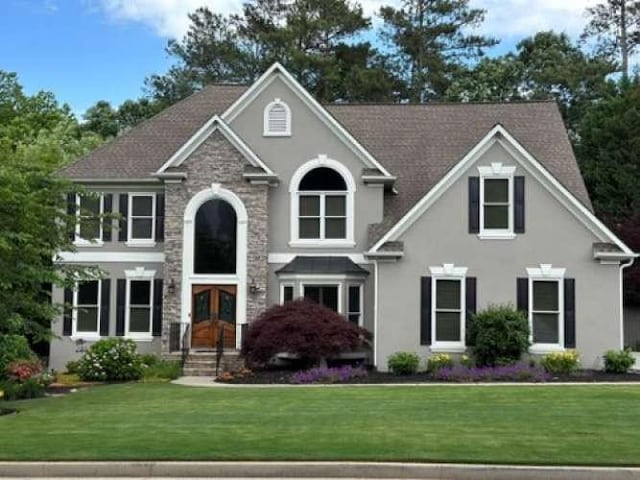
{"points": [[277, 119]]}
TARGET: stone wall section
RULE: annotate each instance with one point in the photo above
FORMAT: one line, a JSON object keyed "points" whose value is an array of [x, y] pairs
{"points": [[215, 161]]}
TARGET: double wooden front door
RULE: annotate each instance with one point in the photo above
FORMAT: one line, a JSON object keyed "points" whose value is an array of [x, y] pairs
{"points": [[213, 316]]}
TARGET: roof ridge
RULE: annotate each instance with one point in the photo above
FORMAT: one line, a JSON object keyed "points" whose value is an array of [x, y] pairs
{"points": [[439, 104]]}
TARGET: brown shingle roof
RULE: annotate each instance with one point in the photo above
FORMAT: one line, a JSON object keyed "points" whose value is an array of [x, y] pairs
{"points": [[143, 150], [416, 143]]}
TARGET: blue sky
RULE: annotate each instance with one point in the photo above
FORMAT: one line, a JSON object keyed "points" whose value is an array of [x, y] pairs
{"points": [[88, 50]]}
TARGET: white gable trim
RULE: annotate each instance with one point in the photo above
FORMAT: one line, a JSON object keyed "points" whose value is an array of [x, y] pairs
{"points": [[215, 123], [499, 134], [278, 71]]}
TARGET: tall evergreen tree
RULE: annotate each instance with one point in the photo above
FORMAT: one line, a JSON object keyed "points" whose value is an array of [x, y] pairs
{"points": [[431, 41]]}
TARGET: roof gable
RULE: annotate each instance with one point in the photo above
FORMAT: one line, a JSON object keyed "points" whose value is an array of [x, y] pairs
{"points": [[499, 134]]}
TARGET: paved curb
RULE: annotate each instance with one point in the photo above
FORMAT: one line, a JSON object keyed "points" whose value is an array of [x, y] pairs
{"points": [[370, 470]]}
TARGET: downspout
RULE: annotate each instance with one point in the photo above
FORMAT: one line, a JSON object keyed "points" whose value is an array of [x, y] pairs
{"points": [[622, 267], [375, 314]]}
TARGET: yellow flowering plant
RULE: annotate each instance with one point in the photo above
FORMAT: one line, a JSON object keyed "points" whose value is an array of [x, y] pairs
{"points": [[438, 361], [561, 362]]}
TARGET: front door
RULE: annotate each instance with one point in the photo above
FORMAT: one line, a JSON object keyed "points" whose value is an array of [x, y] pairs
{"points": [[213, 316]]}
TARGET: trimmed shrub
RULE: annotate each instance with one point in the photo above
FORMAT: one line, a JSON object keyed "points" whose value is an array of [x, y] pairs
{"points": [[12, 348], [436, 362], [403, 363], [561, 362], [303, 328], [328, 375], [111, 359], [618, 361], [499, 335]]}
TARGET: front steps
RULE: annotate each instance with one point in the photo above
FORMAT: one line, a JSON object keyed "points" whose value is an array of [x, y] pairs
{"points": [[203, 364]]}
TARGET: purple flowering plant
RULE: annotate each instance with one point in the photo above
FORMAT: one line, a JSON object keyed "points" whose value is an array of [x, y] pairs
{"points": [[518, 372], [328, 375]]}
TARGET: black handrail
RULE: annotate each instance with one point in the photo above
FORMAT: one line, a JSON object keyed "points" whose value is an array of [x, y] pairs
{"points": [[219, 346]]}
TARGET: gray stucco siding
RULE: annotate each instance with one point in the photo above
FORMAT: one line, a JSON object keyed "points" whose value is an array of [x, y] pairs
{"points": [[284, 155], [63, 349], [553, 236]]}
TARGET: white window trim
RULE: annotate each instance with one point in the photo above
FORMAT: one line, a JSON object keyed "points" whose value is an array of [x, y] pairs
{"points": [[449, 272], [284, 285], [497, 171], [84, 242], [85, 336], [267, 111], [547, 273], [324, 283], [141, 242], [359, 286], [145, 275], [296, 241]]}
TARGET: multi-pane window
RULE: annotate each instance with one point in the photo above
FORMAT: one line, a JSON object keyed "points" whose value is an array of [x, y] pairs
{"points": [[90, 209], [448, 311], [141, 217], [140, 307], [87, 307], [327, 295], [354, 304], [496, 204], [322, 205], [286, 293], [545, 311]]}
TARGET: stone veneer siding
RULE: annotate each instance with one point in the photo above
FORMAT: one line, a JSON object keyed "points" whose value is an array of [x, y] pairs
{"points": [[215, 161]]}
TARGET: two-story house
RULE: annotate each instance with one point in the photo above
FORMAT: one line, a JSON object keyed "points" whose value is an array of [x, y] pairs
{"points": [[405, 218]]}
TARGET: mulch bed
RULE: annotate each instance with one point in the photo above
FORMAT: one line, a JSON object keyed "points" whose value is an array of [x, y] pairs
{"points": [[275, 377]]}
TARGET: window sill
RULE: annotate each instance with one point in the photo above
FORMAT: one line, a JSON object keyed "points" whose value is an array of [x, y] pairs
{"points": [[88, 243], [142, 338], [140, 243], [276, 134], [448, 349], [312, 243], [543, 348], [496, 236]]}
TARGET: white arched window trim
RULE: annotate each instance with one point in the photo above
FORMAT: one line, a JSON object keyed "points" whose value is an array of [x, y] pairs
{"points": [[268, 131], [189, 278], [321, 161]]}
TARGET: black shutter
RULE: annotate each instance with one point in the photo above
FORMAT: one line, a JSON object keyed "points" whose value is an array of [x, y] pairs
{"points": [[518, 194], [569, 313], [157, 307], [474, 204], [425, 311], [71, 211], [523, 296], [121, 292], [123, 209], [160, 217], [471, 296], [67, 316], [106, 222], [105, 302]]}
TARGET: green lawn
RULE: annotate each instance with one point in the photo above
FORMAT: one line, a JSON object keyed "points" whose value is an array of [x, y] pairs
{"points": [[597, 425]]}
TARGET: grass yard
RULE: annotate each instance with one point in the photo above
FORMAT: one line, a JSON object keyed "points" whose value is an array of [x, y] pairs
{"points": [[595, 425]]}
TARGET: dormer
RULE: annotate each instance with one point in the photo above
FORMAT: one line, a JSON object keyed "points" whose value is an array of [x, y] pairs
{"points": [[277, 119]]}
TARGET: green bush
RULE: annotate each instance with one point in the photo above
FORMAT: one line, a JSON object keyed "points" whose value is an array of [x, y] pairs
{"points": [[111, 359], [73, 366], [403, 363], [499, 335], [618, 361], [12, 348], [150, 359], [162, 370], [561, 362], [31, 388], [441, 360]]}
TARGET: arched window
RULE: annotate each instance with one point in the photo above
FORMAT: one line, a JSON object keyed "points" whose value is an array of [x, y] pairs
{"points": [[277, 119], [215, 238], [322, 204]]}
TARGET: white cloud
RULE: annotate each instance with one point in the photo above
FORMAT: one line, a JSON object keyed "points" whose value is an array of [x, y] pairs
{"points": [[505, 18]]}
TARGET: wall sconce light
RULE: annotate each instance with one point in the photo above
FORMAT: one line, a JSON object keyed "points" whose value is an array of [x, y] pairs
{"points": [[171, 288], [253, 286], [81, 346]]}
